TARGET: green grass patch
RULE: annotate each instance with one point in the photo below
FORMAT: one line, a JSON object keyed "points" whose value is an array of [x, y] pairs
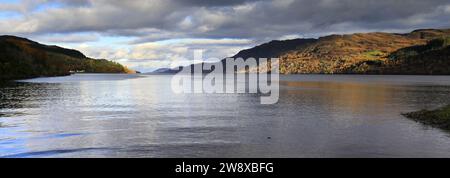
{"points": [[439, 118], [374, 54], [446, 41]]}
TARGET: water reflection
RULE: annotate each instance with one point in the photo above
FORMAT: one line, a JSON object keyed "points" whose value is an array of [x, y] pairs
{"points": [[317, 116], [363, 100]]}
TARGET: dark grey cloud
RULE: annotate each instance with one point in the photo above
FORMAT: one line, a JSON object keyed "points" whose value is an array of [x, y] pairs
{"points": [[321, 16], [215, 3], [228, 18]]}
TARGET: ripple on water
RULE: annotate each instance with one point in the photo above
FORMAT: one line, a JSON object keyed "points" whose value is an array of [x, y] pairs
{"points": [[12, 114], [51, 153]]}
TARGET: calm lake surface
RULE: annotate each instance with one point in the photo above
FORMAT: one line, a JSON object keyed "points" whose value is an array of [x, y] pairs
{"points": [[106, 115]]}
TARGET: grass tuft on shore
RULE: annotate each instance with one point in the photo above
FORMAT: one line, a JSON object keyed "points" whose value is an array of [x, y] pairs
{"points": [[439, 118]]}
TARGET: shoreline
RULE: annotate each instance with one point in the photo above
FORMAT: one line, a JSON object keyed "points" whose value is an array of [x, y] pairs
{"points": [[52, 76], [438, 118], [27, 78]]}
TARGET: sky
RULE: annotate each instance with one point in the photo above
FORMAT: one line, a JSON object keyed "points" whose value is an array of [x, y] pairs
{"points": [[149, 34]]}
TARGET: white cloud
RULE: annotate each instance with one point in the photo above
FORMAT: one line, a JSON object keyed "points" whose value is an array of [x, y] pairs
{"points": [[68, 38]]}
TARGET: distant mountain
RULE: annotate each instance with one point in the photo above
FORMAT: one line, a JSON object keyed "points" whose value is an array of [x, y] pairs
{"points": [[164, 71], [274, 48], [360, 53], [22, 58], [267, 50]]}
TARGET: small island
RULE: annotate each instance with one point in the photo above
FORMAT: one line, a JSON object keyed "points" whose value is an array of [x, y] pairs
{"points": [[439, 118]]}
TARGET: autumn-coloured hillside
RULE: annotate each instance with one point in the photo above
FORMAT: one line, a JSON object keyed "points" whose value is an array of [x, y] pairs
{"points": [[347, 53]]}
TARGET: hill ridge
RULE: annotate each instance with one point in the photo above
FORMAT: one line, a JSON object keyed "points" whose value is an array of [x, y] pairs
{"points": [[21, 58]]}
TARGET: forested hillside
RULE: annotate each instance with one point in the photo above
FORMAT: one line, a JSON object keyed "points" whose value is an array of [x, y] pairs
{"points": [[21, 58]]}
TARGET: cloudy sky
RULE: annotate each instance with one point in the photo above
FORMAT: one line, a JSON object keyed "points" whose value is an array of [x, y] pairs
{"points": [[149, 34]]}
